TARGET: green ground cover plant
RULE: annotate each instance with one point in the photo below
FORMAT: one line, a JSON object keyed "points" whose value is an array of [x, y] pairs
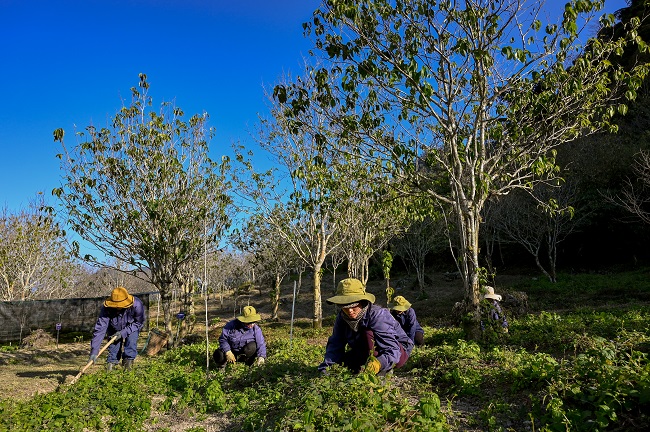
{"points": [[579, 369]]}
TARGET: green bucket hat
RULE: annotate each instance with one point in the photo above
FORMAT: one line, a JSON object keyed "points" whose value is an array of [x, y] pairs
{"points": [[250, 315], [399, 304], [350, 291]]}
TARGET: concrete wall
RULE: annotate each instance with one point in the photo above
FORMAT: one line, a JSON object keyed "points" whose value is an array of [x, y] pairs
{"points": [[77, 314]]}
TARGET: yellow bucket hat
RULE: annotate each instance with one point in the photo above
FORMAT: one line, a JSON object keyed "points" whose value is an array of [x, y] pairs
{"points": [[249, 315], [399, 304], [350, 291], [120, 298]]}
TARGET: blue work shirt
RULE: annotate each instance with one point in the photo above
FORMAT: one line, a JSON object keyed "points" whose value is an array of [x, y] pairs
{"points": [[235, 335], [113, 320], [388, 338], [409, 322]]}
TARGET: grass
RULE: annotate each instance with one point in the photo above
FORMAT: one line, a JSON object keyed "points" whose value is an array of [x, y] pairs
{"points": [[578, 361]]}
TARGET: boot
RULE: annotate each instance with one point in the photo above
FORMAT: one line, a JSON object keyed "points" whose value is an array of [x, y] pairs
{"points": [[128, 364], [109, 366]]}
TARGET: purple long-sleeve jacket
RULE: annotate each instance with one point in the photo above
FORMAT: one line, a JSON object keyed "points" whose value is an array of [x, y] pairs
{"points": [[388, 338], [113, 320], [235, 335], [409, 322], [495, 314]]}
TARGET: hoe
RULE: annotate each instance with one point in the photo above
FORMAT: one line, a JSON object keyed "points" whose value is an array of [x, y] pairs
{"points": [[113, 339]]}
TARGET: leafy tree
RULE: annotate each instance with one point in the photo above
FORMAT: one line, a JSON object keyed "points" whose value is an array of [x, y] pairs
{"points": [[312, 196], [144, 191], [308, 231], [463, 100], [35, 262], [370, 223]]}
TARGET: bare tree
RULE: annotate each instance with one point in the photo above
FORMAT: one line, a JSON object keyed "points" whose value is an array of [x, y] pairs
{"points": [[420, 239], [272, 255], [540, 220], [635, 196], [34, 259]]}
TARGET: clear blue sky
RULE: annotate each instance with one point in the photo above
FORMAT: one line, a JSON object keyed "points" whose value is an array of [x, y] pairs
{"points": [[70, 62]]}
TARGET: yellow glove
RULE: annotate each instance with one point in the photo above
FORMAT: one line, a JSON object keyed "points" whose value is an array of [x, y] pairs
{"points": [[259, 361], [230, 357], [373, 366]]}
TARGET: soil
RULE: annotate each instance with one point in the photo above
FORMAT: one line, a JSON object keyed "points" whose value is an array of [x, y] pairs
{"points": [[41, 365]]}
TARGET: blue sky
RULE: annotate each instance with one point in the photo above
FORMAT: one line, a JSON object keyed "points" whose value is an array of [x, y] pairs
{"points": [[71, 62], [66, 63]]}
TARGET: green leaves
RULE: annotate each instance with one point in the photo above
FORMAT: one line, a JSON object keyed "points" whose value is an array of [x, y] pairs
{"points": [[58, 134]]}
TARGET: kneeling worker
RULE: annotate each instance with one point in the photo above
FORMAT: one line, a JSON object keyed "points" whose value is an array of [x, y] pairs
{"points": [[376, 342], [402, 311], [241, 340]]}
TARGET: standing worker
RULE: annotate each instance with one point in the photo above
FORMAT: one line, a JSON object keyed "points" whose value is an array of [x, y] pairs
{"points": [[377, 344], [241, 340], [124, 314], [401, 310]]}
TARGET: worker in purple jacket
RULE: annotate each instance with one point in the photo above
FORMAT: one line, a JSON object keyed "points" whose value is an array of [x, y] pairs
{"points": [[242, 340], [124, 314], [401, 310], [377, 344]]}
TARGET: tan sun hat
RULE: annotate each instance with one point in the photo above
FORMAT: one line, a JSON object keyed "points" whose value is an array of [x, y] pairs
{"points": [[120, 298], [249, 315], [490, 294], [350, 291], [399, 304]]}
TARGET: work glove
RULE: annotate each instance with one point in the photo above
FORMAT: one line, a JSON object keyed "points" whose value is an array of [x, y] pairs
{"points": [[373, 366], [259, 361], [92, 358], [230, 357]]}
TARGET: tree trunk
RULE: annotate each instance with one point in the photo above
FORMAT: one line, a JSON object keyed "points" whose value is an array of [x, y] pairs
{"points": [[166, 300], [552, 255], [365, 270], [276, 296], [318, 305], [299, 282], [468, 216]]}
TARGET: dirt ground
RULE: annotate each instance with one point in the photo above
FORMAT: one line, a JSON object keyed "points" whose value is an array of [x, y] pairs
{"points": [[28, 371]]}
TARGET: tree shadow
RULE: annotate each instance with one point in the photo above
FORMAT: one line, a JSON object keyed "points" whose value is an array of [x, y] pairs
{"points": [[58, 375]]}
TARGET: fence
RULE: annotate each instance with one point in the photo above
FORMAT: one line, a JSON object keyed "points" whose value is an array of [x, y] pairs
{"points": [[73, 315]]}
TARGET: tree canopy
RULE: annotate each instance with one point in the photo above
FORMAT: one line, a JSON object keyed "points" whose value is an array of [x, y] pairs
{"points": [[143, 190]]}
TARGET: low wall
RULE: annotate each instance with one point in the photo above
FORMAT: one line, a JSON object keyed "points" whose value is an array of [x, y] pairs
{"points": [[74, 315]]}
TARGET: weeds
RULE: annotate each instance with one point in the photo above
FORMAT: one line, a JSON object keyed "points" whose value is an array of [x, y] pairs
{"points": [[584, 369]]}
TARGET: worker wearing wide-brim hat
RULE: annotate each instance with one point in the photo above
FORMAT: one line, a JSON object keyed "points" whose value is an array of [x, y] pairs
{"points": [[403, 312], [494, 312], [377, 343], [124, 314], [242, 340]]}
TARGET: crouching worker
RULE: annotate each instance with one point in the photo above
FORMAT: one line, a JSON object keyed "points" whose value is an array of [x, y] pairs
{"points": [[124, 314], [241, 340], [495, 319], [402, 311], [365, 336]]}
